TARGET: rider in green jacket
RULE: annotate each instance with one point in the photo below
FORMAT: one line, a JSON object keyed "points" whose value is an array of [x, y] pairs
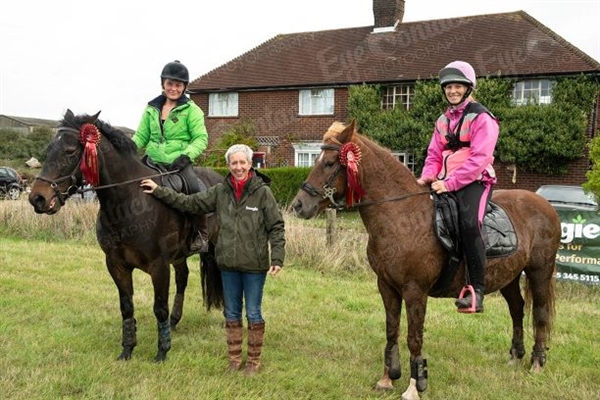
{"points": [[173, 133]]}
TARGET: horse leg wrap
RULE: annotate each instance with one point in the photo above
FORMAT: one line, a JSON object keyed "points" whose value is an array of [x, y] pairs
{"points": [[392, 361], [518, 348], [539, 353], [129, 339], [418, 371], [164, 336]]}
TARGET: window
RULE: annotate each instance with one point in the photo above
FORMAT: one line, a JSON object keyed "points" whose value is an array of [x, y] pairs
{"points": [[397, 96], [534, 91], [406, 158], [316, 102], [305, 154], [223, 104]]}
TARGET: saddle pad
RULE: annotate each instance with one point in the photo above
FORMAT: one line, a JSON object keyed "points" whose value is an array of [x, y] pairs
{"points": [[500, 236]]}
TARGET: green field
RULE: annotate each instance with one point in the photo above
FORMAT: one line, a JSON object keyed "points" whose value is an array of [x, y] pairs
{"points": [[60, 329]]}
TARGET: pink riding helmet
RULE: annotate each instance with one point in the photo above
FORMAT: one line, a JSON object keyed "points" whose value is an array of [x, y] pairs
{"points": [[458, 72]]}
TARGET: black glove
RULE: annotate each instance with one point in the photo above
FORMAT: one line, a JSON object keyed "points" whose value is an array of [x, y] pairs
{"points": [[180, 163]]}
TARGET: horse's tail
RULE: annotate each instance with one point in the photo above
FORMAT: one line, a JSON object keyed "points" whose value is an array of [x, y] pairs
{"points": [[210, 276], [548, 312]]}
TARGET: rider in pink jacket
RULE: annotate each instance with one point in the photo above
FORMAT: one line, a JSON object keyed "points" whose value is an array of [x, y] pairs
{"points": [[459, 160]]}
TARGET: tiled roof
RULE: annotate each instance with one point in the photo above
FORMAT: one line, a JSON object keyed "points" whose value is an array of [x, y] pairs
{"points": [[507, 44]]}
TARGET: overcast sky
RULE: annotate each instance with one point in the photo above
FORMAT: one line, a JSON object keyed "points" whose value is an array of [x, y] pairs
{"points": [[91, 55]]}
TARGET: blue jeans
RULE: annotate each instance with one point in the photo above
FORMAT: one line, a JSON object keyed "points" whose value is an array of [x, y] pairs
{"points": [[239, 286]]}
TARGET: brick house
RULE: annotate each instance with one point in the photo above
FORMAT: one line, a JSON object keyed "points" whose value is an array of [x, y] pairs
{"points": [[293, 86]]}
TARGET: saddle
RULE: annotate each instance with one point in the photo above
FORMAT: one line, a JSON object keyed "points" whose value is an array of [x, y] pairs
{"points": [[499, 234], [176, 181]]}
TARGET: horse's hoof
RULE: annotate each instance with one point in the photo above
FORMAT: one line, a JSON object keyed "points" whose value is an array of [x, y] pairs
{"points": [[384, 384], [160, 357], [124, 356]]}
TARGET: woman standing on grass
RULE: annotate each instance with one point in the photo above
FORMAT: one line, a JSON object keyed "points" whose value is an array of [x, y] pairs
{"points": [[249, 223]]}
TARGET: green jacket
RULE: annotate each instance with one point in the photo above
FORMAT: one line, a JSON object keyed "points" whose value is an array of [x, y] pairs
{"points": [[245, 229], [183, 132]]}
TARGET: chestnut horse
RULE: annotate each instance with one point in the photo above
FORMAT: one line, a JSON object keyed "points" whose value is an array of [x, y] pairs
{"points": [[407, 257], [133, 229]]}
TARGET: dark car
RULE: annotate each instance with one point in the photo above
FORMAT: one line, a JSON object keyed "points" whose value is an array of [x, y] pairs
{"points": [[11, 184], [565, 197]]}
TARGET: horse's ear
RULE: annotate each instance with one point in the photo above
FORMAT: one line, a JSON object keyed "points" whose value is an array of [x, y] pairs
{"points": [[69, 115], [95, 117], [346, 134]]}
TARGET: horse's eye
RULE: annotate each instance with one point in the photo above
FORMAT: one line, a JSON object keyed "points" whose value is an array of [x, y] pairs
{"points": [[329, 164]]}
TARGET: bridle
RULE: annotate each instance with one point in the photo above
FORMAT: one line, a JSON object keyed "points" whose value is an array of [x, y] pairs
{"points": [[74, 188], [328, 191]]}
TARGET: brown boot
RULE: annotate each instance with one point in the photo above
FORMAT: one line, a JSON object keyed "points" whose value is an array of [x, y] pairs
{"points": [[234, 344], [256, 333]]}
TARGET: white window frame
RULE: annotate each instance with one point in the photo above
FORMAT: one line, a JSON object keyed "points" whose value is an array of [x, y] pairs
{"points": [[407, 158], [316, 101], [223, 104], [533, 91], [398, 96], [305, 154]]}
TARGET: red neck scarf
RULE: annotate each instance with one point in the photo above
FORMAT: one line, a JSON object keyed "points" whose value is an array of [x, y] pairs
{"points": [[238, 186]]}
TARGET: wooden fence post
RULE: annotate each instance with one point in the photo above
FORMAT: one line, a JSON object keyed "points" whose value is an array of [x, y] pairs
{"points": [[330, 229]]}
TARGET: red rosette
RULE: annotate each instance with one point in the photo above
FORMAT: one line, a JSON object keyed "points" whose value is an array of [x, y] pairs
{"points": [[89, 136], [350, 156]]}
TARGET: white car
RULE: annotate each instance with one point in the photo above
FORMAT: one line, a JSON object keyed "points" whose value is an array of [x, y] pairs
{"points": [[565, 197]]}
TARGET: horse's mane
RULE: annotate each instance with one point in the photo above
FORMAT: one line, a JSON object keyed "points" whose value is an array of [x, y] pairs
{"points": [[379, 158], [120, 141]]}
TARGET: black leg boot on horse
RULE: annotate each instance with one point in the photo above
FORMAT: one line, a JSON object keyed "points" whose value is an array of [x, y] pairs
{"points": [[199, 241]]}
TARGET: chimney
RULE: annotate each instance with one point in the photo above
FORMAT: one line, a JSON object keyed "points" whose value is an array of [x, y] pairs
{"points": [[388, 14]]}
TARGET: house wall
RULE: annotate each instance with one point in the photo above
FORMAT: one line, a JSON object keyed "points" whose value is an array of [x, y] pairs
{"points": [[275, 113]]}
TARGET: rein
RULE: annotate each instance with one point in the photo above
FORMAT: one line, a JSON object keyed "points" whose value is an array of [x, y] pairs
{"points": [[74, 188], [329, 191]]}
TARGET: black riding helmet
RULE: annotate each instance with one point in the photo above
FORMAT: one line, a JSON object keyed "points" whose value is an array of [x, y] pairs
{"points": [[175, 71]]}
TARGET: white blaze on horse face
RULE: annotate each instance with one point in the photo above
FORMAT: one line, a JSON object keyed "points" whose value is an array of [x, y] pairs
{"points": [[321, 156]]}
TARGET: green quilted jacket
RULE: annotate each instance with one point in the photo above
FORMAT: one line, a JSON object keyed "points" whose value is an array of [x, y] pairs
{"points": [[183, 132]]}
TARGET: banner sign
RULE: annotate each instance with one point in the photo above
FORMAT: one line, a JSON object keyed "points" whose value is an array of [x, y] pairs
{"points": [[578, 257]]}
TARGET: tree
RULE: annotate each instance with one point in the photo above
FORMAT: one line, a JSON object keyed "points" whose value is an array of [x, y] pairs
{"points": [[241, 133], [543, 138]]}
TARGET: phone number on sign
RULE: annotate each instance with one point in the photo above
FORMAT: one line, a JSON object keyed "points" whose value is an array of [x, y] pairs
{"points": [[578, 277]]}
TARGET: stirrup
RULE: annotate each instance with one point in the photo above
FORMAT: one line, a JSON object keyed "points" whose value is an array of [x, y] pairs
{"points": [[468, 290]]}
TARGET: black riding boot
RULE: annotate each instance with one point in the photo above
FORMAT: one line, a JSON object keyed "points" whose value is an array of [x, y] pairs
{"points": [[465, 302], [476, 263], [199, 242]]}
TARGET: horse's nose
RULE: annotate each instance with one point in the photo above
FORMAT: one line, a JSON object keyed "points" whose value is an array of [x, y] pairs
{"points": [[37, 201], [297, 205]]}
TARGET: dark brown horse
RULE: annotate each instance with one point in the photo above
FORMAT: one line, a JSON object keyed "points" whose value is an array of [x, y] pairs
{"points": [[133, 229], [407, 257]]}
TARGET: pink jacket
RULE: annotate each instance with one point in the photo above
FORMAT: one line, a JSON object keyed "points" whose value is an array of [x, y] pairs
{"points": [[467, 164]]}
